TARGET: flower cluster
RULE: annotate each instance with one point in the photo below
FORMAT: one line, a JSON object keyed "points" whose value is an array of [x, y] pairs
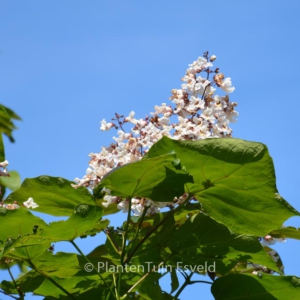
{"points": [[28, 204], [10, 206], [197, 113]]}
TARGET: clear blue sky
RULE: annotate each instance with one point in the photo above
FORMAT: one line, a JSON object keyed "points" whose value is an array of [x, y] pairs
{"points": [[66, 65]]}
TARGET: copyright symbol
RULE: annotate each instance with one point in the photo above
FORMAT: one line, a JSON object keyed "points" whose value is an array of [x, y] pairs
{"points": [[88, 267]]}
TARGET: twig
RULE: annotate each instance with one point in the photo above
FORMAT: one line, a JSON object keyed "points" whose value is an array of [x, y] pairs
{"points": [[126, 233], [187, 281], [21, 294], [9, 295]]}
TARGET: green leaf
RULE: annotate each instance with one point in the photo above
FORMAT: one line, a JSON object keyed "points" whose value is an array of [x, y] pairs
{"points": [[84, 221], [27, 282], [286, 232], [200, 244], [75, 284], [251, 287], [201, 241], [275, 257], [149, 287], [18, 223], [2, 152], [10, 112], [78, 285], [13, 182], [13, 249], [32, 281], [54, 195], [99, 293], [234, 180], [156, 178], [98, 257], [61, 265], [6, 124]]}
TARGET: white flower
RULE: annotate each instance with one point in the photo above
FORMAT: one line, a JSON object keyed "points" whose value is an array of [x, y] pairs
{"points": [[131, 118], [106, 126], [109, 199], [30, 203], [199, 65], [4, 164], [227, 86]]}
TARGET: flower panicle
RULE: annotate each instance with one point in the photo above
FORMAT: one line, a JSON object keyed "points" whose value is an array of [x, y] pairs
{"points": [[196, 112], [13, 206]]}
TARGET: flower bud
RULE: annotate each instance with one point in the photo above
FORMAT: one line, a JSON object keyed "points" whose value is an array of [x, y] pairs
{"points": [[219, 79], [212, 58]]}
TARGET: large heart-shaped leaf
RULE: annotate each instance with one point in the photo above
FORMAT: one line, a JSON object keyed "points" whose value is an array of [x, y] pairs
{"points": [[159, 178], [54, 195], [86, 220], [234, 180]]}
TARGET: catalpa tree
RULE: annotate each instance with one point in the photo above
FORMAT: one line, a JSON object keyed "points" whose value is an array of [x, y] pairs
{"points": [[192, 195]]}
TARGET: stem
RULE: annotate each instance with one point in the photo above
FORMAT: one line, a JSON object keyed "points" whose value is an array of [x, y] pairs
{"points": [[118, 119], [51, 279], [119, 282], [112, 242], [147, 235], [153, 229], [133, 241], [126, 233], [108, 295], [9, 295], [183, 274], [187, 282], [200, 281], [21, 294], [11, 275], [207, 77], [100, 276], [115, 285], [139, 225]]}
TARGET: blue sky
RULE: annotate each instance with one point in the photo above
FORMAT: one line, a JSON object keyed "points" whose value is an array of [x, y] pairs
{"points": [[66, 65]]}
